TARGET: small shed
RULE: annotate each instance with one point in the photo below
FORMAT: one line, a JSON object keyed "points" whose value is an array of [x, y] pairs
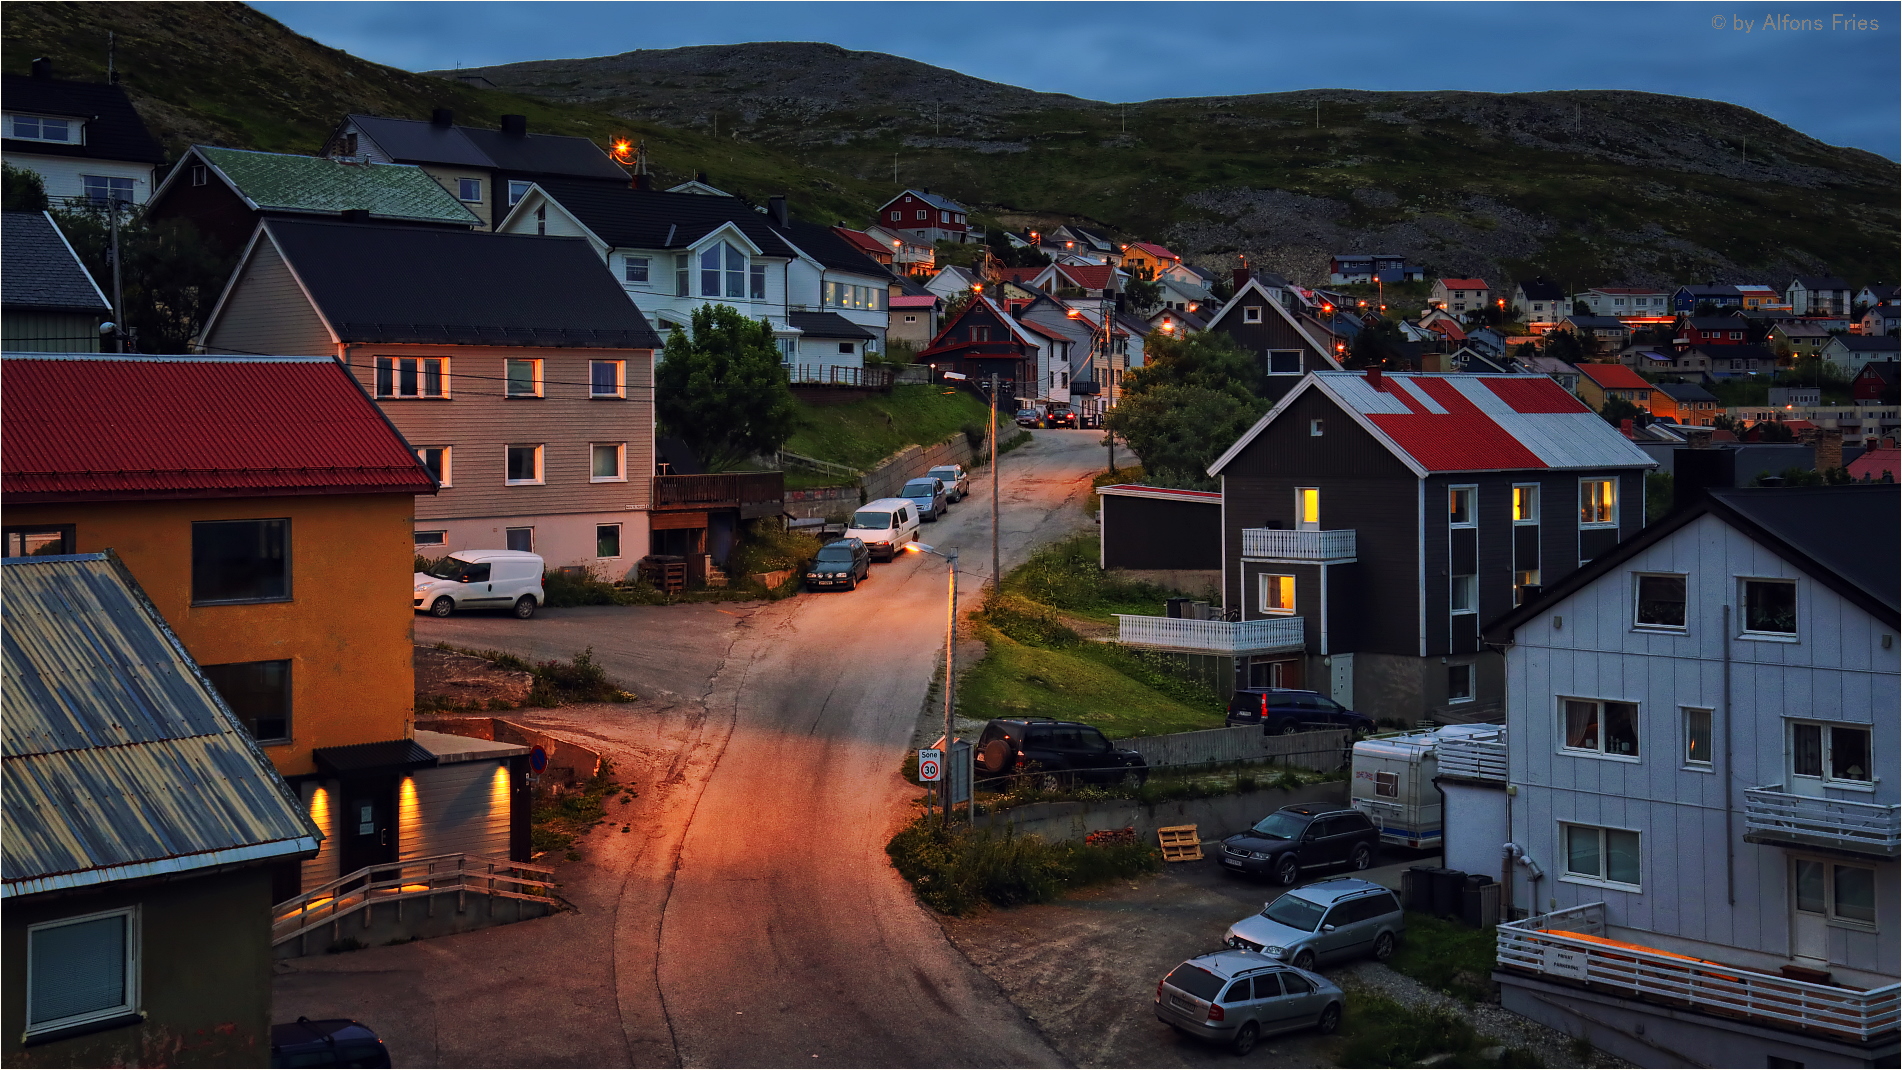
{"points": [[1161, 528]]}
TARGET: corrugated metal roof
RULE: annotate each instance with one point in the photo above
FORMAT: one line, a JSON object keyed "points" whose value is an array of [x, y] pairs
{"points": [[119, 759], [276, 180], [76, 427]]}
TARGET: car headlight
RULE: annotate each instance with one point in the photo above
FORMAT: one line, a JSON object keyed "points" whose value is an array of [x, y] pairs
{"points": [[1261, 854], [1274, 951]]}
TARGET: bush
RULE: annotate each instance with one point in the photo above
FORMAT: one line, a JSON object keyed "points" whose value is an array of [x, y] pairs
{"points": [[1027, 622], [565, 589], [1066, 576], [1379, 1031], [766, 546], [958, 870], [976, 434], [1448, 956], [579, 680]]}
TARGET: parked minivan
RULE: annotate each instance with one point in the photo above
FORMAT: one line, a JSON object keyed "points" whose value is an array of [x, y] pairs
{"points": [[885, 526], [482, 579]]}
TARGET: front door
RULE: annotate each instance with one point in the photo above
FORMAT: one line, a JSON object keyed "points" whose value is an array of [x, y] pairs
{"points": [[366, 828], [1341, 680], [1809, 906]]}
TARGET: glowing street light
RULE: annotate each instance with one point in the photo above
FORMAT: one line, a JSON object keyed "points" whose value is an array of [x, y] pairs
{"points": [[950, 655]]}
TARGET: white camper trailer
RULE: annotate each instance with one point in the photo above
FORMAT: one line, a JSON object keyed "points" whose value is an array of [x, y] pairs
{"points": [[1393, 782]]}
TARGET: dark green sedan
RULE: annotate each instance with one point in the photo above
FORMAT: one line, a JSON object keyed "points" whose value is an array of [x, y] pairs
{"points": [[839, 564]]}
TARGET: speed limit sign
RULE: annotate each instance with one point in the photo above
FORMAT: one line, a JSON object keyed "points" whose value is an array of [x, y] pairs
{"points": [[930, 764]]}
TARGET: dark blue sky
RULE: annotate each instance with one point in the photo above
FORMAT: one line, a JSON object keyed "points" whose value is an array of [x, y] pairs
{"points": [[1831, 72]]}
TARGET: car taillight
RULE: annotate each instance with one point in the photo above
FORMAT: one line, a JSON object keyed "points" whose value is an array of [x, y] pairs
{"points": [[1159, 990], [1216, 1013], [1264, 707]]}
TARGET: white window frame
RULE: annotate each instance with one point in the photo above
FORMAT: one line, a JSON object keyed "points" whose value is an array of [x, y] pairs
{"points": [[1585, 524], [518, 188], [1301, 497], [1604, 857], [508, 384], [1533, 497], [462, 190], [1317, 428], [541, 456], [1828, 743], [441, 538], [620, 379], [1267, 581], [618, 531], [1469, 581], [448, 462], [1743, 604], [620, 462], [75, 127], [1471, 492], [1637, 586], [643, 264], [1472, 682], [1830, 916], [396, 382], [1598, 751], [1251, 313], [131, 1003], [1684, 718]]}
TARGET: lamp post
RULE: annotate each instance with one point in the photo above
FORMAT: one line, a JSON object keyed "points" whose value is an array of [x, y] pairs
{"points": [[950, 666]]}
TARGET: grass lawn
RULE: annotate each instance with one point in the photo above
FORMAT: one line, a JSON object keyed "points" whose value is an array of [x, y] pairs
{"points": [[1447, 956], [1016, 680], [863, 433]]}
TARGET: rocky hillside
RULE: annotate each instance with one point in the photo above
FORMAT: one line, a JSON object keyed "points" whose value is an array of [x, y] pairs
{"points": [[1588, 187]]}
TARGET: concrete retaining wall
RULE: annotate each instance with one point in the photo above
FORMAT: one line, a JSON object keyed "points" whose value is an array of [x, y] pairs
{"points": [[1319, 751], [1215, 818], [822, 503], [889, 477]]}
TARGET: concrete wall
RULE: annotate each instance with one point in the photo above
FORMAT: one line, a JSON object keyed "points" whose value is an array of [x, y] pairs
{"points": [[1201, 583], [1319, 751], [441, 914], [1215, 818]]}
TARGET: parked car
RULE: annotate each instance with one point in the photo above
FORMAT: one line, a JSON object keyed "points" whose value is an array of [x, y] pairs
{"points": [[1060, 416], [482, 579], [1326, 921], [1238, 997], [1058, 750], [1281, 710], [327, 1042], [1089, 421], [839, 564], [1029, 418], [957, 482], [928, 493], [884, 526], [1302, 837]]}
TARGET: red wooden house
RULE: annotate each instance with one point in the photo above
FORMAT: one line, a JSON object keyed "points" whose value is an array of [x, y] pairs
{"points": [[922, 214]]}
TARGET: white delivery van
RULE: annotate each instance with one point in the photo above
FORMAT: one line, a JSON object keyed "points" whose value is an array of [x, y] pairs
{"points": [[482, 579], [885, 526], [1393, 782]]}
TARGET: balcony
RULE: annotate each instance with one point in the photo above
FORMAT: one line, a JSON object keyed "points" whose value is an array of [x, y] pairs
{"points": [[754, 494], [1299, 547], [1570, 947], [1775, 816], [1473, 759], [1213, 636]]}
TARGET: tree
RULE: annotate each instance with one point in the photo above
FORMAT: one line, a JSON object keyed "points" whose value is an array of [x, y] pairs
{"points": [[1374, 344], [1564, 345], [1580, 308], [171, 276], [22, 190], [721, 390], [1144, 296], [1705, 308], [1004, 253], [1618, 410], [1191, 399]]}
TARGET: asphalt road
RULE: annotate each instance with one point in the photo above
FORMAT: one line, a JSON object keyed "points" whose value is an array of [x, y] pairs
{"points": [[748, 915]]}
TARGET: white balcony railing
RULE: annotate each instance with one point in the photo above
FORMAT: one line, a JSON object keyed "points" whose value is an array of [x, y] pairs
{"points": [[1212, 636], [1773, 814], [1559, 947], [1276, 544], [1473, 759]]}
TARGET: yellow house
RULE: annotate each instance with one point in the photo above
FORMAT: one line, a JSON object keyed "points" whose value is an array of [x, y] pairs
{"points": [[265, 506], [1147, 260]]}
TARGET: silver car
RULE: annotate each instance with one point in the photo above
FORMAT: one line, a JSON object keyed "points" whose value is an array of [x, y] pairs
{"points": [[1238, 997], [928, 493], [1328, 920], [957, 484]]}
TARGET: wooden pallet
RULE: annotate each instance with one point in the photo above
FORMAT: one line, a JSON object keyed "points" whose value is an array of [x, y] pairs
{"points": [[1179, 843]]}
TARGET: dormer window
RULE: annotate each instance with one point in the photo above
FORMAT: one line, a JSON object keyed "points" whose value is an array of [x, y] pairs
{"points": [[41, 128], [720, 263]]}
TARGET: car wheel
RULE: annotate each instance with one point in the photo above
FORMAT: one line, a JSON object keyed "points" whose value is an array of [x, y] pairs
{"points": [[1136, 777], [442, 607], [1330, 1020], [1246, 1038], [1289, 728], [852, 583], [1362, 857], [1303, 959], [525, 607], [1383, 947], [1050, 782], [1287, 870], [1361, 732]]}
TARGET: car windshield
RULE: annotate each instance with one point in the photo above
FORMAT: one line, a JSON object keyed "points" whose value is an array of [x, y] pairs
{"points": [[835, 554], [945, 473], [918, 490], [448, 568], [1294, 912], [1282, 825], [1196, 981], [871, 520]]}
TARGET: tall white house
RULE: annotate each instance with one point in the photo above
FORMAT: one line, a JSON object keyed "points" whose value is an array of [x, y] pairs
{"points": [[83, 139]]}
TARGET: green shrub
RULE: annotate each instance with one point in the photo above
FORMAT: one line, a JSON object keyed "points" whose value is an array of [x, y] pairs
{"points": [[958, 870], [1448, 956], [976, 434], [1027, 622], [565, 589], [581, 679], [1066, 575], [1379, 1031]]}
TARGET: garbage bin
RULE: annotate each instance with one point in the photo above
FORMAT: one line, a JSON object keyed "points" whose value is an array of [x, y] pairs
{"points": [[1177, 607], [1416, 888], [1480, 901], [1448, 891]]}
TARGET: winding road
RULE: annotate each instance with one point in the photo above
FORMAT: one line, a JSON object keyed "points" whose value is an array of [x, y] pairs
{"points": [[740, 911]]}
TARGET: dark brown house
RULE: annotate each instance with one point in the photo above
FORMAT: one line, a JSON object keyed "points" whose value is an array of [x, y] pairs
{"points": [[1259, 320], [982, 340]]}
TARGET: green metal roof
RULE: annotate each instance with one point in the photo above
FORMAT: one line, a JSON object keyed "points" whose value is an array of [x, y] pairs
{"points": [[277, 181], [119, 759]]}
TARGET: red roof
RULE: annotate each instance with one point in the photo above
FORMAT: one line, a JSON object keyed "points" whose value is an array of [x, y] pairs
{"points": [[1465, 284], [1613, 376], [911, 301], [1093, 277], [98, 427], [1019, 274], [862, 241], [1154, 250], [1448, 328], [1874, 463]]}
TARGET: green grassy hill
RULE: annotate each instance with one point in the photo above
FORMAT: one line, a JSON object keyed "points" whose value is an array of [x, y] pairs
{"points": [[863, 433]]}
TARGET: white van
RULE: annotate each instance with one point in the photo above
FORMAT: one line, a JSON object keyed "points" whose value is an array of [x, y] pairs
{"points": [[482, 579], [885, 526]]}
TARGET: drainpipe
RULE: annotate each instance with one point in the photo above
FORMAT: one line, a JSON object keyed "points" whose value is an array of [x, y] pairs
{"points": [[1730, 813]]}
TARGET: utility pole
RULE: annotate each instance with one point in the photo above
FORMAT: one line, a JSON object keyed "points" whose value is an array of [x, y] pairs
{"points": [[894, 169], [118, 291], [997, 577], [950, 683]]}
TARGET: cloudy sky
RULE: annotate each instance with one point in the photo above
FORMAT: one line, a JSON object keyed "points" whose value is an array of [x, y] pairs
{"points": [[1830, 72]]}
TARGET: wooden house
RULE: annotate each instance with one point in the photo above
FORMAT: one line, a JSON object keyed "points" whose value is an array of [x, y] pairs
{"points": [[1262, 324], [84, 139]]}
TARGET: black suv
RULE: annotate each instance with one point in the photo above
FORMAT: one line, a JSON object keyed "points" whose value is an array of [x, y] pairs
{"points": [[1280, 710], [1057, 751], [328, 1042], [1302, 837]]}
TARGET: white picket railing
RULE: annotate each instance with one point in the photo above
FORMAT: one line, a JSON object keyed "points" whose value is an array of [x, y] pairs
{"points": [[390, 882], [1276, 544], [1549, 946], [1212, 636], [1474, 759], [1870, 828]]}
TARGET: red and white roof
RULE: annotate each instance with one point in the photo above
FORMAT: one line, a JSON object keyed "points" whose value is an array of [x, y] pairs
{"points": [[1467, 423], [1167, 494]]}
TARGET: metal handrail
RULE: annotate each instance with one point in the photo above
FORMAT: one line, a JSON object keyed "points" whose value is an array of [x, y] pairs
{"points": [[1773, 809], [1280, 544], [1212, 636], [414, 877]]}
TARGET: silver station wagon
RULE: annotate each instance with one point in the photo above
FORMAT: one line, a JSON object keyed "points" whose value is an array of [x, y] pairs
{"points": [[1238, 997], [1329, 920]]}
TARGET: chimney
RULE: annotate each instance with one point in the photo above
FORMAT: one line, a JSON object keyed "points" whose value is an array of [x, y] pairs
{"points": [[776, 210], [1373, 379], [1695, 470], [1627, 427], [1242, 276], [1697, 438], [699, 176], [43, 68], [515, 125], [442, 117], [1826, 445]]}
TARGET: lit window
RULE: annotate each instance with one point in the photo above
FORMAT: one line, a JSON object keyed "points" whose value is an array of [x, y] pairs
{"points": [[1597, 502], [525, 378], [607, 540], [1697, 737], [1659, 601], [1769, 608], [1600, 854], [1525, 504], [258, 694], [468, 189], [412, 377], [608, 462], [1460, 511], [1464, 594], [1600, 727], [436, 459], [1307, 508], [607, 378], [1522, 583], [524, 465], [37, 128], [1459, 683], [1833, 753], [634, 269], [82, 970], [1277, 595]]}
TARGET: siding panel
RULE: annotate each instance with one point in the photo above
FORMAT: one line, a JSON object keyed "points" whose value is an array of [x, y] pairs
{"points": [[267, 312], [463, 807]]}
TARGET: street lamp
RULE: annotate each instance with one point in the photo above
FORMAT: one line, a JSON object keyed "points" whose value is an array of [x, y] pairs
{"points": [[950, 665]]}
